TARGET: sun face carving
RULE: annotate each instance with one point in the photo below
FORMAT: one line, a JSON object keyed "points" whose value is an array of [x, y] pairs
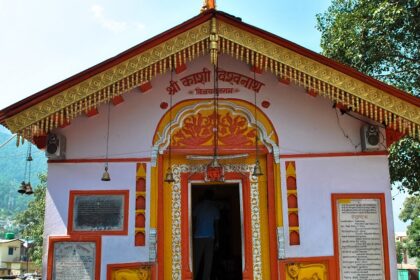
{"points": [[197, 130]]}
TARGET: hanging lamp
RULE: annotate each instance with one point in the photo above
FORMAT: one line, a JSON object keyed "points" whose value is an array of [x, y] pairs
{"points": [[169, 176], [105, 176], [215, 170], [257, 167], [26, 188]]}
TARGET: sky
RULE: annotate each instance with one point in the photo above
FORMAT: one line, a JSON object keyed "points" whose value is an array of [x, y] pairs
{"points": [[46, 41]]}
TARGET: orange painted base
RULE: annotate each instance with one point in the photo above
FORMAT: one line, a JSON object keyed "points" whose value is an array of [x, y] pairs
{"points": [[328, 261], [112, 267]]}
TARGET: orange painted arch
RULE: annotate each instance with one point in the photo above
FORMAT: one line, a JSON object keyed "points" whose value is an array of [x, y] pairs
{"points": [[188, 104]]}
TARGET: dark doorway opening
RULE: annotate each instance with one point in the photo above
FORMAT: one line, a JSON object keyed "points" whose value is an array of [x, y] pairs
{"points": [[227, 252]]}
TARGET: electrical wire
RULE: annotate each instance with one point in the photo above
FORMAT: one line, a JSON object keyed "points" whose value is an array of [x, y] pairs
{"points": [[170, 123], [7, 141], [344, 133], [107, 134], [369, 123], [256, 118], [215, 109]]}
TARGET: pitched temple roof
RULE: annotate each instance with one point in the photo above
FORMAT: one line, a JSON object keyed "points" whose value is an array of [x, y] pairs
{"points": [[212, 32]]}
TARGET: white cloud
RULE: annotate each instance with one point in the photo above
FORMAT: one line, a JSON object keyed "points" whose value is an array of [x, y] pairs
{"points": [[140, 26], [111, 24]]}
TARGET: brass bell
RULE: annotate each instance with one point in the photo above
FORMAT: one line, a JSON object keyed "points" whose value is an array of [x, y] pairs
{"points": [[169, 177], [22, 188], [29, 158], [105, 176], [29, 190], [257, 169]]}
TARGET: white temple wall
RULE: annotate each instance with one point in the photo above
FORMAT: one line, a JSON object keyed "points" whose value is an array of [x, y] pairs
{"points": [[317, 179], [304, 125], [63, 177]]}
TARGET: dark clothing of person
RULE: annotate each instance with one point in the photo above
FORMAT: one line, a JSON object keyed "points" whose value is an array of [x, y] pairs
{"points": [[206, 214]]}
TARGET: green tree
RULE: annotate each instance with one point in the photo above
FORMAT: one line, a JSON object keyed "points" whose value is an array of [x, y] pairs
{"points": [[31, 221], [401, 248], [404, 165], [380, 38], [411, 212]]}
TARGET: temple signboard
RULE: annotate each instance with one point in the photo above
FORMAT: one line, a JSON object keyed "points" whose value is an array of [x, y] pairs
{"points": [[360, 240], [74, 260]]}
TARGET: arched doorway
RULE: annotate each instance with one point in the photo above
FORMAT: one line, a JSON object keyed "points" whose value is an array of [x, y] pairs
{"points": [[192, 141]]}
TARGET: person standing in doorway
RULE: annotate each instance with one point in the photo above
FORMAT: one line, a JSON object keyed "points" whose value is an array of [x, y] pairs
{"points": [[206, 216]]}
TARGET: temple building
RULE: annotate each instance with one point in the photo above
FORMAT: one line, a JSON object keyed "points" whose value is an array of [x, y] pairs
{"points": [[291, 145]]}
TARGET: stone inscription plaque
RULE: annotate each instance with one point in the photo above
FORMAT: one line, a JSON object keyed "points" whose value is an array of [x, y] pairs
{"points": [[98, 213], [74, 260], [360, 239]]}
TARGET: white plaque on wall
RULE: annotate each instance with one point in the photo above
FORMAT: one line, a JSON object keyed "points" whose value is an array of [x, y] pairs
{"points": [[360, 239], [74, 260]]}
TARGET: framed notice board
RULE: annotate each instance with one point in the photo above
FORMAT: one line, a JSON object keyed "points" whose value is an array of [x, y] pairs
{"points": [[360, 236], [74, 258], [98, 212]]}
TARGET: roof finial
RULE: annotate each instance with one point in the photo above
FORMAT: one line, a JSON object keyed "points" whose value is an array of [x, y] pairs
{"points": [[208, 5]]}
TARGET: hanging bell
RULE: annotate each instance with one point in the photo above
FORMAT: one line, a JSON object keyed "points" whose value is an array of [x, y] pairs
{"points": [[257, 169], [169, 177], [105, 176], [22, 188], [29, 190], [29, 158]]}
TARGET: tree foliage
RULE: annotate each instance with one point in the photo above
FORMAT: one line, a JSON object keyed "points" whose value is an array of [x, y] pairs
{"points": [[31, 221], [411, 212], [378, 37], [404, 165], [382, 39], [401, 248], [12, 166]]}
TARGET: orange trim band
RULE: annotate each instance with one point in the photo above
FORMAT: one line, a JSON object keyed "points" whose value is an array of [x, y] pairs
{"points": [[111, 267], [282, 156], [342, 154], [53, 239], [96, 160], [73, 194]]}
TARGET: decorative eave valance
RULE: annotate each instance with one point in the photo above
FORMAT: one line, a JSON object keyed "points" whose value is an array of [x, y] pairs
{"points": [[220, 34], [67, 105], [326, 81]]}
